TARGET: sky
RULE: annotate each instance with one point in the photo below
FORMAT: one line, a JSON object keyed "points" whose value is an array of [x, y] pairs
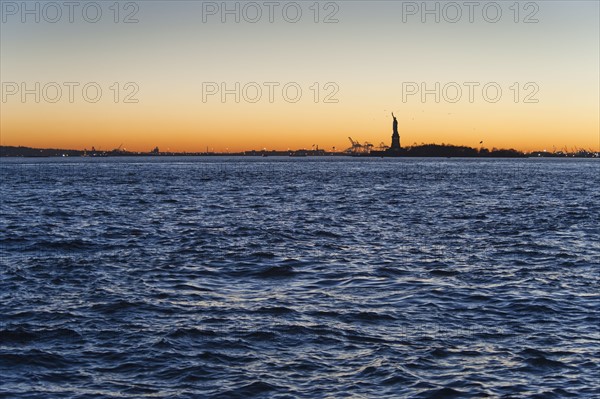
{"points": [[233, 76]]}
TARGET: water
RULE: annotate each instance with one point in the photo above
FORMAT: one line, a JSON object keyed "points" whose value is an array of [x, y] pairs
{"points": [[285, 278]]}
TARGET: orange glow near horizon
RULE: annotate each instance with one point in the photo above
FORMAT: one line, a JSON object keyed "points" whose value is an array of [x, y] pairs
{"points": [[248, 127]]}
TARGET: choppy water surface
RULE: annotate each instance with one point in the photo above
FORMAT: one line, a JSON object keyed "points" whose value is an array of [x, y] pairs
{"points": [[237, 278]]}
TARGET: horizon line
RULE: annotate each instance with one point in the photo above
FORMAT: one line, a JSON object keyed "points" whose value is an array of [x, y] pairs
{"points": [[314, 150]]}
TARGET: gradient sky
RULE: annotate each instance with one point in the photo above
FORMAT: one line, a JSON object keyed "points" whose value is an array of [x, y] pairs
{"points": [[368, 54]]}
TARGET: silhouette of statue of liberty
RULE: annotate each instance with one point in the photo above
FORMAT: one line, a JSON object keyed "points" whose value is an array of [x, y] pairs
{"points": [[396, 136]]}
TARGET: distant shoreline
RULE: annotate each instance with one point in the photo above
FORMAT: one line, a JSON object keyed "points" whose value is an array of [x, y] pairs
{"points": [[422, 151]]}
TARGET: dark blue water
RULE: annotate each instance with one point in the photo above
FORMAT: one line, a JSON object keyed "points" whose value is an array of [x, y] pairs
{"points": [[286, 278]]}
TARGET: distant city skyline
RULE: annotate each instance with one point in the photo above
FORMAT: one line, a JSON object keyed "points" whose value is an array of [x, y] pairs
{"points": [[520, 75]]}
